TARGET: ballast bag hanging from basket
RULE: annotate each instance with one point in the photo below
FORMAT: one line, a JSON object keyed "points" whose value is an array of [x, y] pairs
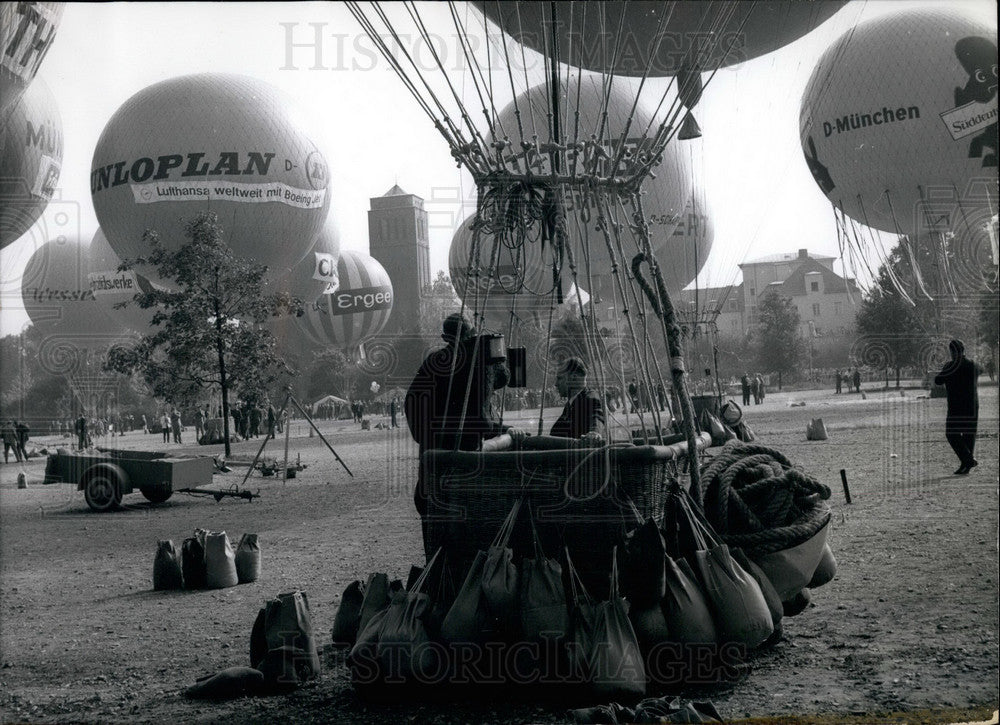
{"points": [[643, 576], [248, 559], [469, 619], [766, 588], [193, 563], [220, 561], [500, 575], [687, 616], [616, 664], [582, 615], [167, 572], [345, 623], [543, 598], [740, 611], [376, 598], [791, 570], [404, 645]]}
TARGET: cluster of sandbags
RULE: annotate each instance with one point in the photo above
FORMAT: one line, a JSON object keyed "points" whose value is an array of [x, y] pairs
{"points": [[445, 620], [206, 560], [727, 426]]}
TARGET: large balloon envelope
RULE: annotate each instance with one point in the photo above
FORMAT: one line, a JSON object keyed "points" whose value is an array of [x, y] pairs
{"points": [[521, 281], [899, 121], [27, 30], [228, 144], [55, 291], [682, 255], [359, 308], [665, 195], [704, 35], [112, 287], [30, 160]]}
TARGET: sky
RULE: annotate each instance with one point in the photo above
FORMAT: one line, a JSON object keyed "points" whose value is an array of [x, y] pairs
{"points": [[762, 196]]}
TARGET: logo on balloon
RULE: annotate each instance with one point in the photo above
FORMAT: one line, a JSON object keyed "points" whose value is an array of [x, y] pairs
{"points": [[364, 299], [28, 44], [316, 171], [326, 270]]}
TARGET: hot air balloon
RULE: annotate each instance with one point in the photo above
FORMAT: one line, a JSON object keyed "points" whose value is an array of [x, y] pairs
{"points": [[316, 273], [27, 30], [312, 277], [30, 160], [637, 37], [899, 121], [682, 255], [359, 308], [111, 287], [211, 142], [665, 195], [521, 282]]}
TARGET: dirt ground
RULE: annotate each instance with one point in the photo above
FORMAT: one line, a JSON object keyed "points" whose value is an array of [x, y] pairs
{"points": [[910, 623]]}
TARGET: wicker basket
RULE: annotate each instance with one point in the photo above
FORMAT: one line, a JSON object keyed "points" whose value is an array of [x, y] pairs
{"points": [[579, 498]]}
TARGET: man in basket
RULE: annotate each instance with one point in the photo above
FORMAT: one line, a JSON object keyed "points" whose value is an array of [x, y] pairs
{"points": [[583, 414], [460, 372]]}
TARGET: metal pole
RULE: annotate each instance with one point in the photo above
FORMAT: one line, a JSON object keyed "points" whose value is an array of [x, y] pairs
{"points": [[284, 469]]}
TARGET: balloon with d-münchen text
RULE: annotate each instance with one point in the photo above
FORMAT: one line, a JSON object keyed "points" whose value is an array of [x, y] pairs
{"points": [[899, 120], [357, 311], [228, 144]]}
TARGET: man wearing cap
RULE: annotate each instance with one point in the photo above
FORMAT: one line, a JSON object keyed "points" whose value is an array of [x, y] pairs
{"points": [[583, 414], [960, 379], [458, 373]]}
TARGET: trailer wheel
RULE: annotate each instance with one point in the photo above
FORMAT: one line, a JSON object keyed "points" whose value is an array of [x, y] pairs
{"points": [[103, 491], [156, 494]]}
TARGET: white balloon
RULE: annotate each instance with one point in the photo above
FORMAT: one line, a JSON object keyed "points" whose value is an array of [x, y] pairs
{"points": [[899, 120]]}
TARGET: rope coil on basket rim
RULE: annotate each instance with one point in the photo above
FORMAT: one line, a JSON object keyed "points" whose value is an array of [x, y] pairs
{"points": [[757, 501]]}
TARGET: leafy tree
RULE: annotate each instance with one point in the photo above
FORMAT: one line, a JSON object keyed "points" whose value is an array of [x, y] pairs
{"points": [[331, 371], [779, 345], [209, 330]]}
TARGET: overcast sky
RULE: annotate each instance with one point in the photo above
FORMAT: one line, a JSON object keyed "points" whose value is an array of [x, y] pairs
{"points": [[762, 196]]}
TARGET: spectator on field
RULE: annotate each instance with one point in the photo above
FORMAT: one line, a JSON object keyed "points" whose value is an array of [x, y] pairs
{"points": [[22, 430], [175, 424], [960, 378], [9, 433], [165, 426]]}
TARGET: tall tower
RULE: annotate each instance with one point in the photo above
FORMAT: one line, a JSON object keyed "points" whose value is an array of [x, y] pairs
{"points": [[397, 238]]}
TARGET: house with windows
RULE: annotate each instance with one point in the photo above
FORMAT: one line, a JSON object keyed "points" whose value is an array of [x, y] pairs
{"points": [[827, 303]]}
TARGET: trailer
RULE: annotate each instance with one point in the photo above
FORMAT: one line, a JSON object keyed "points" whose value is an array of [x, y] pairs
{"points": [[105, 476]]}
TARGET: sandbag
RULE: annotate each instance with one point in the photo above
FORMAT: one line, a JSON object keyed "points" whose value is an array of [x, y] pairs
{"points": [[774, 604], [797, 603], [580, 638], [616, 664], [228, 683], [248, 559], [167, 570], [643, 575], [685, 611], [713, 426], [650, 625], [744, 432], [363, 657], [738, 606], [282, 643], [348, 617], [816, 430], [500, 575], [220, 561], [193, 563], [469, 618], [376, 598], [542, 607], [731, 414], [404, 645], [826, 570]]}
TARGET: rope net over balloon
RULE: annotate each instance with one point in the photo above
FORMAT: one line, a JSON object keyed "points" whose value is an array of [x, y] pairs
{"points": [[580, 175]]}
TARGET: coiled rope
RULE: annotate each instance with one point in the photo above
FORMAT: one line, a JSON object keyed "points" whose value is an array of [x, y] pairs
{"points": [[757, 501]]}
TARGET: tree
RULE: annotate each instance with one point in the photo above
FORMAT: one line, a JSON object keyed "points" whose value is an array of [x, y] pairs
{"points": [[779, 345], [210, 330]]}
